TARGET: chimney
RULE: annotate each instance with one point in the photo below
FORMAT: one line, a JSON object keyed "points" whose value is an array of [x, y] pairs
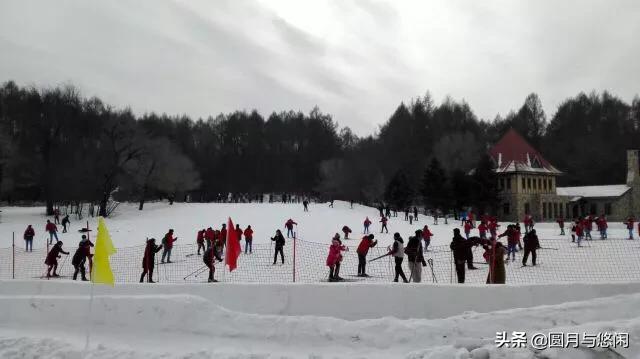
{"points": [[633, 166]]}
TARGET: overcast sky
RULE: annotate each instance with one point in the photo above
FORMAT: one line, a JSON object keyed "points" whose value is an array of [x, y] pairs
{"points": [[354, 59]]}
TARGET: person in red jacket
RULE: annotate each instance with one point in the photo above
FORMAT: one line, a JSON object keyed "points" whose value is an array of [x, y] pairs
{"points": [[629, 224], [579, 232], [209, 237], [52, 259], [467, 228], [560, 221], [334, 258], [289, 226], [482, 228], [384, 220], [493, 227], [53, 231], [513, 240], [239, 232], [167, 243], [346, 230], [367, 223], [426, 236], [363, 249], [148, 260], [200, 240], [601, 222], [29, 233], [248, 240]]}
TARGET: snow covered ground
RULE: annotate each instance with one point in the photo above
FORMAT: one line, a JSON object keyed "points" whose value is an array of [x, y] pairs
{"points": [[130, 227], [51, 319]]}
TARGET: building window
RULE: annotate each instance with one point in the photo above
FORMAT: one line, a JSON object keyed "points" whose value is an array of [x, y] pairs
{"points": [[550, 185], [523, 184], [607, 209], [501, 184], [506, 208], [544, 210], [509, 184], [526, 208], [555, 210], [535, 183], [529, 183], [593, 208]]}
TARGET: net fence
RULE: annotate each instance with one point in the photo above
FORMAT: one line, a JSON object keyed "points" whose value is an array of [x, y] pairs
{"points": [[559, 260]]}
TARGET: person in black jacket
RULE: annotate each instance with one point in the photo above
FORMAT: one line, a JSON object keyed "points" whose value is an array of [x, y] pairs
{"points": [[397, 251], [149, 259], [209, 258], [531, 244], [460, 248], [279, 239], [413, 250], [80, 258]]}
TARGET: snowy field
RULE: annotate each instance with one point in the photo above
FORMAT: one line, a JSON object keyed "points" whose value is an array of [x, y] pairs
{"points": [[263, 319], [614, 260], [130, 227]]}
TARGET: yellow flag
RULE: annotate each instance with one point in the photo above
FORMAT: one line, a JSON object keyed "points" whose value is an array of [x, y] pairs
{"points": [[104, 249]]}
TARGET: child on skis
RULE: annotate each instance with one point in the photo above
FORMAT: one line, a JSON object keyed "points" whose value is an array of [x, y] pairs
{"points": [[334, 258], [52, 259]]}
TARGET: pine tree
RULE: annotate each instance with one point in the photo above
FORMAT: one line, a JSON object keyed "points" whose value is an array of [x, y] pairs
{"points": [[434, 186], [399, 191], [485, 185]]}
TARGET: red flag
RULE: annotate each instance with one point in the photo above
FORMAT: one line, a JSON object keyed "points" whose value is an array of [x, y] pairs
{"points": [[233, 247]]}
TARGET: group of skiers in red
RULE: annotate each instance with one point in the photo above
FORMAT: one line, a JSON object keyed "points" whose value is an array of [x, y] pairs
{"points": [[581, 228]]}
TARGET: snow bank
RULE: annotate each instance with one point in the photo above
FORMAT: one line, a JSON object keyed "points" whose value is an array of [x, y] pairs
{"points": [[347, 301], [150, 324]]}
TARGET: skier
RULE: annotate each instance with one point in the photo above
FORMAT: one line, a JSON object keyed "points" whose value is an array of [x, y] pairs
{"points": [[413, 250], [467, 229], [148, 260], [426, 236], [305, 204], [629, 224], [334, 258], [200, 240], [80, 258], [363, 249], [493, 227], [222, 234], [383, 220], [346, 230], [574, 228], [579, 232], [406, 214], [289, 226], [601, 222], [460, 248], [586, 226], [56, 216], [209, 259], [387, 212], [65, 223], [331, 204], [435, 216], [367, 223], [410, 219], [415, 213], [279, 239], [397, 251], [239, 232], [351, 204], [52, 259], [210, 237], [167, 242], [53, 231], [531, 244], [512, 240], [29, 233], [248, 240], [482, 228], [560, 221]]}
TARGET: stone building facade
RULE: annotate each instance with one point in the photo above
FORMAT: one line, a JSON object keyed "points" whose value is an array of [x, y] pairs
{"points": [[527, 185]]}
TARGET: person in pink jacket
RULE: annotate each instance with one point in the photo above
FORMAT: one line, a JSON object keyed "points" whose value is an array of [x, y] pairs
{"points": [[334, 258]]}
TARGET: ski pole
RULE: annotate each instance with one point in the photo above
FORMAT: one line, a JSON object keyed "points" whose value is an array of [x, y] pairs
{"points": [[197, 271], [553, 249], [382, 256], [433, 275]]}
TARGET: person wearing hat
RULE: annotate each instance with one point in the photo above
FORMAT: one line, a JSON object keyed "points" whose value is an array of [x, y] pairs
{"points": [[531, 244], [148, 261], [80, 258], [167, 242], [52, 259], [460, 248], [413, 250]]}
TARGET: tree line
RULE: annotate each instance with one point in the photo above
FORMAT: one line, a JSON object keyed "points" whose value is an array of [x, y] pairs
{"points": [[57, 146]]}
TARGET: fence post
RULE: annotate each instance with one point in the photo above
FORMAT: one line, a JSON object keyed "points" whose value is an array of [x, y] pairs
{"points": [[13, 257], [294, 257]]}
